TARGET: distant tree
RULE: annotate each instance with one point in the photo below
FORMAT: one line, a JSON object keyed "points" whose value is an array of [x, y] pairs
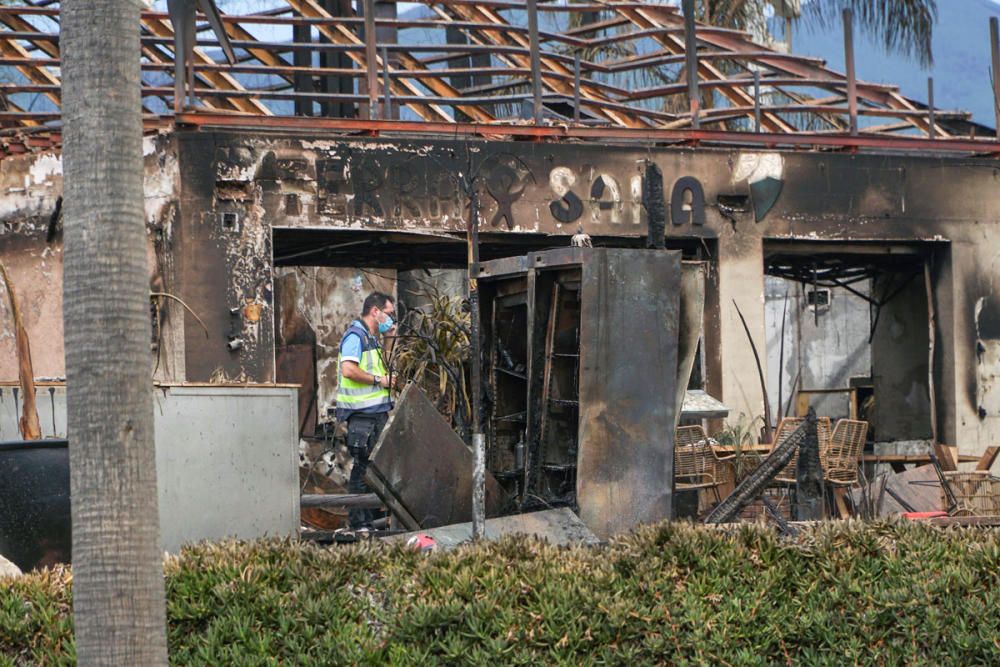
{"points": [[118, 590], [904, 26]]}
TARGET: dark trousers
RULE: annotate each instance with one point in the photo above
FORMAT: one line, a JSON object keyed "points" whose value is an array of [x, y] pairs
{"points": [[362, 434]]}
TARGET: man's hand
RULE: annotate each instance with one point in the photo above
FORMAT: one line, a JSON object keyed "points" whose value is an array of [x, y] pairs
{"points": [[388, 382]]}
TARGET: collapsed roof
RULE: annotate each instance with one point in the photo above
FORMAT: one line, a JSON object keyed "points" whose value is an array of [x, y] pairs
{"points": [[612, 65]]}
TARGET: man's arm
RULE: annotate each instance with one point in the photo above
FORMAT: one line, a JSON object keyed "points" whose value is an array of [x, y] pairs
{"points": [[352, 371]]}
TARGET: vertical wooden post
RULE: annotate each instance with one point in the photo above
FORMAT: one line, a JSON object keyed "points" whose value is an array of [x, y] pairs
{"points": [[931, 131], [576, 87], [852, 91], [995, 57], [386, 87], [302, 58], [691, 62], [931, 325], [756, 101], [370, 57], [536, 60]]}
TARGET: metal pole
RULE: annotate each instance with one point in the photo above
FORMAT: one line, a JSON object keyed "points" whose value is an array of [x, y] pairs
{"points": [[756, 102], [930, 107], [852, 92], [995, 49], [576, 87], [386, 88], [370, 57], [536, 59], [478, 439], [691, 62]]}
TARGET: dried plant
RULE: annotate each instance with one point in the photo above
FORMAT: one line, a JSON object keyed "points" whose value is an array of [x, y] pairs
{"points": [[871, 496], [741, 435], [432, 349]]}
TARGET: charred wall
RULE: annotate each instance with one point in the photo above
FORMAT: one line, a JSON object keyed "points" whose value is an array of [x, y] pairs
{"points": [[736, 200], [314, 305], [31, 249], [214, 198]]}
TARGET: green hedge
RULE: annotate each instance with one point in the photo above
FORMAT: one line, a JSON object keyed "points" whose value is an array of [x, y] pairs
{"points": [[840, 593]]}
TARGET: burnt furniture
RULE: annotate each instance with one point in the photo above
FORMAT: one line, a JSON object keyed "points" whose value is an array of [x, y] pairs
{"points": [[581, 357]]}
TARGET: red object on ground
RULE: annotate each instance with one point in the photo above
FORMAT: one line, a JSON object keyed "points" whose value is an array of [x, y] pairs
{"points": [[421, 543], [916, 516]]}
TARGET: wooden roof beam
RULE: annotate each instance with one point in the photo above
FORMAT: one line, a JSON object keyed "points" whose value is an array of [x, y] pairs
{"points": [[340, 34]]}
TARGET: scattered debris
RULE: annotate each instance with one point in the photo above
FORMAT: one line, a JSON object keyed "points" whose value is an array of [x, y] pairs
{"points": [[8, 569], [756, 482], [560, 527], [421, 542], [916, 490]]}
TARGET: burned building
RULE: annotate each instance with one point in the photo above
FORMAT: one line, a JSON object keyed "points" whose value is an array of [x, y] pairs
{"points": [[299, 179]]}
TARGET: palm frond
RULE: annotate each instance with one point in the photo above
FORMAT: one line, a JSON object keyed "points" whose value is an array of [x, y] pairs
{"points": [[903, 26]]}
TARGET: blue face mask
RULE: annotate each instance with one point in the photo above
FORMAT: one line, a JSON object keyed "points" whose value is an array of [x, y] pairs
{"points": [[383, 327]]}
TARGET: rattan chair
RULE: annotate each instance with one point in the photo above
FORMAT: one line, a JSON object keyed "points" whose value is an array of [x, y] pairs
{"points": [[695, 464], [787, 426], [843, 454], [977, 493]]}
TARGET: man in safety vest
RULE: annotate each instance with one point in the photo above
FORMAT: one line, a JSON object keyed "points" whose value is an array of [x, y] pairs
{"points": [[363, 386]]}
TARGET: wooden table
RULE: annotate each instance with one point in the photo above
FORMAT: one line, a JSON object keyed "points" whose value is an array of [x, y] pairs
{"points": [[900, 461], [727, 450]]}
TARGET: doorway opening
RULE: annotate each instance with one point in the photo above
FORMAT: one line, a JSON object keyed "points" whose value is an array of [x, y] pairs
{"points": [[848, 334]]}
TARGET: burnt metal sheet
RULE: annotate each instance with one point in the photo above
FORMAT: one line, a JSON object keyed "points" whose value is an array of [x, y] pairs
{"points": [[559, 527], [35, 526], [421, 468], [918, 487], [628, 381]]}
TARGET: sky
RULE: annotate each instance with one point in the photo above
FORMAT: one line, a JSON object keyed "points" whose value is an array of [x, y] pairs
{"points": [[961, 69]]}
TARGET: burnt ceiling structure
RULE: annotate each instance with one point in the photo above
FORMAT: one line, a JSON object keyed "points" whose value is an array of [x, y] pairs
{"points": [[601, 70]]}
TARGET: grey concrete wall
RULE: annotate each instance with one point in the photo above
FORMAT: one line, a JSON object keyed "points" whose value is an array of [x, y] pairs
{"points": [[226, 458], [824, 347]]}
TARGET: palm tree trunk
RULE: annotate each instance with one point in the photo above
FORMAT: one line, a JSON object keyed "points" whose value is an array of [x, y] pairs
{"points": [[118, 593]]}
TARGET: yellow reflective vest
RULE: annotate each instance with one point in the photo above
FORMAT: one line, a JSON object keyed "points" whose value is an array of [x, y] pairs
{"points": [[354, 396]]}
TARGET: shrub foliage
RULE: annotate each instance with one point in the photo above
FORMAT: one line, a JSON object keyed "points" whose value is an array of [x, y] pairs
{"points": [[839, 593]]}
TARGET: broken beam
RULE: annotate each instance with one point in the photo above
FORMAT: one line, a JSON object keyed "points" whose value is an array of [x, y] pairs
{"points": [[346, 500], [770, 140]]}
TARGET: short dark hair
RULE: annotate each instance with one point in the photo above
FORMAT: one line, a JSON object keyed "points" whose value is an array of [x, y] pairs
{"points": [[375, 300]]}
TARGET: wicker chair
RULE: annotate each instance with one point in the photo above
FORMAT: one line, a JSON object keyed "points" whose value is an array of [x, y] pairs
{"points": [[787, 426], [843, 453], [841, 459], [695, 464], [977, 493]]}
